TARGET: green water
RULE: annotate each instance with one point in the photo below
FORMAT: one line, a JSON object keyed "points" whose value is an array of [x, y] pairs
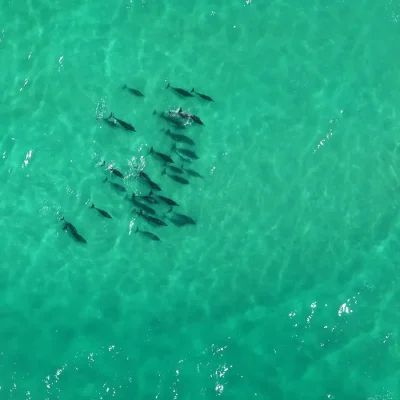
{"points": [[287, 287]]}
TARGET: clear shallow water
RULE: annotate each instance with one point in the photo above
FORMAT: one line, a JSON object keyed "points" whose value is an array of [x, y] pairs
{"points": [[287, 286]]}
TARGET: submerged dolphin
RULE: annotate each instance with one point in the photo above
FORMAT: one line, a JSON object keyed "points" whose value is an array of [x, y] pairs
{"points": [[179, 138], [192, 172], [182, 219], [176, 178], [150, 235], [166, 200], [203, 96], [133, 91], [116, 186], [185, 154]]}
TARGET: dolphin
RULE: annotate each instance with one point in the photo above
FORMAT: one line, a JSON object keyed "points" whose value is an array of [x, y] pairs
{"points": [[113, 123], [187, 116], [149, 198], [125, 125], [113, 170], [151, 219], [102, 212], [177, 122], [182, 92], [143, 206], [152, 184], [69, 227], [163, 156]]}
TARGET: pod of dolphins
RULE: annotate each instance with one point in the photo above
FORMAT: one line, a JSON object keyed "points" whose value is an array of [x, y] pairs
{"points": [[144, 204]]}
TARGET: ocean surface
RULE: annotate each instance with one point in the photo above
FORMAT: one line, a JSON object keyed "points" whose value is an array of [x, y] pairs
{"points": [[287, 287]]}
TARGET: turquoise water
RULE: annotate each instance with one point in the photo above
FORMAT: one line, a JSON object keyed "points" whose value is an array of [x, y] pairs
{"points": [[287, 287]]}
